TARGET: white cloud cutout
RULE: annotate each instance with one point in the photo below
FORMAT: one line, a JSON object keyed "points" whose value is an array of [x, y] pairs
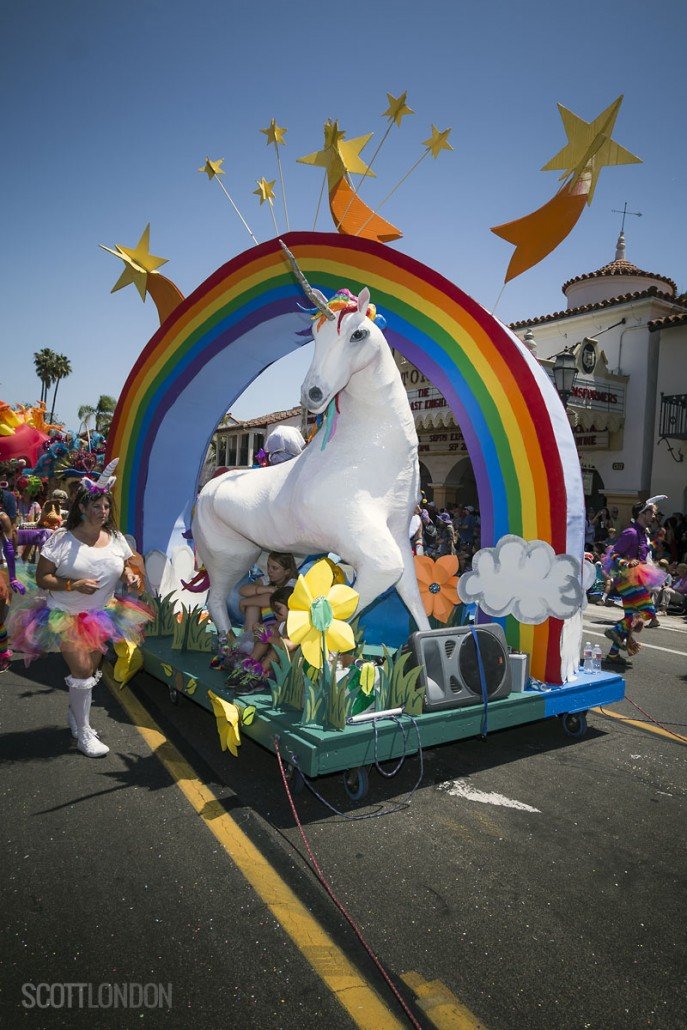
{"points": [[526, 579]]}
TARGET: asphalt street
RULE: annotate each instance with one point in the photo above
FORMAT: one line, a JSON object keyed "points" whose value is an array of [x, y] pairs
{"points": [[536, 880]]}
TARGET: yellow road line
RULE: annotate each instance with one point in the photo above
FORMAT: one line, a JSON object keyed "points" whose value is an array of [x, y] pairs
{"points": [[440, 1005], [365, 1007], [639, 725]]}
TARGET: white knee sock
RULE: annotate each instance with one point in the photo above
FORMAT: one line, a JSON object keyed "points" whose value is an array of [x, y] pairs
{"points": [[80, 692]]}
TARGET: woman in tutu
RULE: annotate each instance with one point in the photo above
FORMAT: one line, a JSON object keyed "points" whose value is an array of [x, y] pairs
{"points": [[76, 611], [628, 561]]}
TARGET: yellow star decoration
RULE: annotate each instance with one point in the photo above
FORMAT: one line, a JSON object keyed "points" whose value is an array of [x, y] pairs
{"points": [[317, 608], [212, 168], [438, 141], [332, 133], [265, 190], [339, 156], [227, 716], [139, 263], [397, 109], [590, 145], [275, 133]]}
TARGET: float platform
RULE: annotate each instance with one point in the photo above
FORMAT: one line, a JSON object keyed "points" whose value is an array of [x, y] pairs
{"points": [[316, 751]]}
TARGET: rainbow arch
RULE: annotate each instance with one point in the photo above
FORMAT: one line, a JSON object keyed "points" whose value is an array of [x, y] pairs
{"points": [[245, 316]]}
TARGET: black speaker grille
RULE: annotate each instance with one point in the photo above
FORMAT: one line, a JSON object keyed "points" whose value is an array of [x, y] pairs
{"points": [[494, 660]]}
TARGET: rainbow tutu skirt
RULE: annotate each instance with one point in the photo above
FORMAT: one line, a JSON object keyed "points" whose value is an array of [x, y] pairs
{"points": [[34, 628]]}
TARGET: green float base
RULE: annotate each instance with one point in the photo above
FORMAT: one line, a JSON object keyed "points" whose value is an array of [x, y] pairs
{"points": [[320, 751]]}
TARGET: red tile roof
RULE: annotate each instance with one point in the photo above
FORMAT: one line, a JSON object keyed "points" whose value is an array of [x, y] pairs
{"points": [[651, 291], [261, 420], [619, 267], [669, 322]]}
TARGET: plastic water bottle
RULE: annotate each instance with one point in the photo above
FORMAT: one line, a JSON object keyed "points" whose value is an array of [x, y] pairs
{"points": [[588, 656], [598, 653]]}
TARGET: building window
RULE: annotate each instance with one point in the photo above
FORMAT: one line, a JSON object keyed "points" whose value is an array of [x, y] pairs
{"points": [[673, 418], [243, 450]]}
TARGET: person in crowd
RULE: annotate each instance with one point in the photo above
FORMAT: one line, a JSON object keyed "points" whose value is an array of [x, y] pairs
{"points": [[255, 601], [602, 522], [9, 583], [75, 610], [61, 498], [589, 530], [466, 528], [673, 593], [415, 531], [28, 505], [634, 579], [446, 539], [431, 534]]}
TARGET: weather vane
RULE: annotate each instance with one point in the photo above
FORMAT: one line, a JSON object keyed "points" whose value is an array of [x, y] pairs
{"points": [[637, 214]]}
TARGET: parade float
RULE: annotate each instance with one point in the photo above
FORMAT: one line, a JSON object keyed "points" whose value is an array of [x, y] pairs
{"points": [[436, 657]]}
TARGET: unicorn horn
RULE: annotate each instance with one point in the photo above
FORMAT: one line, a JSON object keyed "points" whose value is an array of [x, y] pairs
{"points": [[107, 472], [306, 287]]}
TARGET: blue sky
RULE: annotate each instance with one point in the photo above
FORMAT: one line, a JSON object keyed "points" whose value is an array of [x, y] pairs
{"points": [[108, 109]]}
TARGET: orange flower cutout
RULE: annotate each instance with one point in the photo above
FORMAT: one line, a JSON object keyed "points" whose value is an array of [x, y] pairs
{"points": [[438, 582]]}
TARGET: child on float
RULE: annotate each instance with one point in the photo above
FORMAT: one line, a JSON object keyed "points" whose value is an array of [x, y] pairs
{"points": [[255, 603], [274, 638]]}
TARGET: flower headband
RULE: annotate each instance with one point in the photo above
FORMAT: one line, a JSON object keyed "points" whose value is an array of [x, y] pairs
{"points": [[104, 483]]}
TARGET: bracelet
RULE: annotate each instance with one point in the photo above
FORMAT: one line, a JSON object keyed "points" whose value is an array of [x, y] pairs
{"points": [[69, 585]]}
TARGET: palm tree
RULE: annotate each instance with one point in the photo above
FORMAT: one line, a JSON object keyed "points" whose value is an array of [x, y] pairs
{"points": [[99, 417], [86, 414], [104, 411], [43, 361], [62, 369]]}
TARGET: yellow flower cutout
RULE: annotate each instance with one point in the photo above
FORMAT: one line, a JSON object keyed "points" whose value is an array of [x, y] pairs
{"points": [[367, 677], [317, 608], [227, 716], [438, 584]]}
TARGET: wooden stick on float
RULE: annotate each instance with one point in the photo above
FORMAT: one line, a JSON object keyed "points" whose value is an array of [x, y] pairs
{"points": [[275, 134], [396, 112], [213, 170], [437, 142]]}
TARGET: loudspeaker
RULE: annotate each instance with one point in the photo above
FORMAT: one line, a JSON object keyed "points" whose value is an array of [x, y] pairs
{"points": [[450, 670]]}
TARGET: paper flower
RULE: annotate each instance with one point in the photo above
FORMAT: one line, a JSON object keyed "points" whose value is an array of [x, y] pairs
{"points": [[227, 716], [317, 608], [438, 584]]}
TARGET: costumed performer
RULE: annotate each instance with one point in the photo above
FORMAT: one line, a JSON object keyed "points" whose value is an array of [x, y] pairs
{"points": [[628, 561], [79, 568], [8, 581]]}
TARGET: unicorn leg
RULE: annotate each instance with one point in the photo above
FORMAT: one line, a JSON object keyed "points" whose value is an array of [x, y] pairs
{"points": [[409, 592], [378, 569]]}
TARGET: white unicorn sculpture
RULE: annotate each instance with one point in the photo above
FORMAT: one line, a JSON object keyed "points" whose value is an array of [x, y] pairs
{"points": [[353, 495]]}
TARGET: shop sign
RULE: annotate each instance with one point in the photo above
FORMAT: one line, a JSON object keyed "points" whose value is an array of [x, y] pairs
{"points": [[597, 393], [591, 440], [442, 442]]}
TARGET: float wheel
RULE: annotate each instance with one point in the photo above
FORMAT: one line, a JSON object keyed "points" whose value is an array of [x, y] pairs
{"points": [[575, 724], [294, 778], [356, 782], [173, 695]]}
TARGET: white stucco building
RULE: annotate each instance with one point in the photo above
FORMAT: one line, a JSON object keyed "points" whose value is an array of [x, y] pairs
{"points": [[627, 327]]}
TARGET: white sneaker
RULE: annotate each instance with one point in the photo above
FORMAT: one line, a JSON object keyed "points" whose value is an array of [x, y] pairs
{"points": [[73, 727], [89, 744]]}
